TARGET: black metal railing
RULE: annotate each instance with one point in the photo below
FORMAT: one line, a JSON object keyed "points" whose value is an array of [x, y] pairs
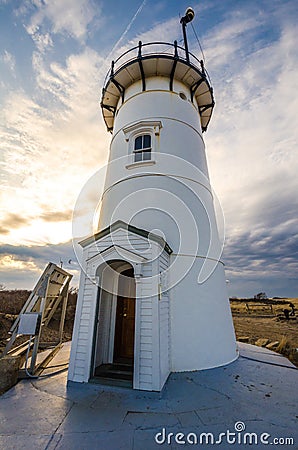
{"points": [[168, 49]]}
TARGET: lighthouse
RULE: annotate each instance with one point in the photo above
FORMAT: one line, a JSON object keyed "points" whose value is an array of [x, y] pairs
{"points": [[152, 296]]}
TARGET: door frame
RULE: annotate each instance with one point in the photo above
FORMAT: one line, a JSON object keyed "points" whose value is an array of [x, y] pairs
{"points": [[109, 342]]}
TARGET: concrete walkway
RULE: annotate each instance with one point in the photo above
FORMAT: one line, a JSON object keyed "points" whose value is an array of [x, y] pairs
{"points": [[258, 392]]}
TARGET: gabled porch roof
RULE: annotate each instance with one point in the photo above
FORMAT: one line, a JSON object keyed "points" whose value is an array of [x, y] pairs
{"points": [[119, 224]]}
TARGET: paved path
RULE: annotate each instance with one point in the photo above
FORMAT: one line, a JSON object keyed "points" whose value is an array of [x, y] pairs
{"points": [[47, 414]]}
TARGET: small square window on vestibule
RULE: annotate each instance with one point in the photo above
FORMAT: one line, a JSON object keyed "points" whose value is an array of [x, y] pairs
{"points": [[142, 148]]}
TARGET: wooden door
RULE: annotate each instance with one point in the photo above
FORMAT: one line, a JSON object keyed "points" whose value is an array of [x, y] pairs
{"points": [[125, 326]]}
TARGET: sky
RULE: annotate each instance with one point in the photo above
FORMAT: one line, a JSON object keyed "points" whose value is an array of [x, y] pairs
{"points": [[54, 55]]}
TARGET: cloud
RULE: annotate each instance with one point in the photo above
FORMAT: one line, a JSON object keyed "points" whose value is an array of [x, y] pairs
{"points": [[40, 254], [21, 266], [73, 84], [70, 17], [42, 41], [251, 146], [9, 61], [262, 263], [53, 142], [56, 216], [8, 262], [161, 32], [12, 221]]}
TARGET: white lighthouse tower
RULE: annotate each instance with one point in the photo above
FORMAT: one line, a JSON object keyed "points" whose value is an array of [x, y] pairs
{"points": [[152, 297]]}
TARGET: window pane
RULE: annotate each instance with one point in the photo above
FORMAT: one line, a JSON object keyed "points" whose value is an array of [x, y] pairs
{"points": [[146, 155], [138, 143], [147, 141], [138, 156]]}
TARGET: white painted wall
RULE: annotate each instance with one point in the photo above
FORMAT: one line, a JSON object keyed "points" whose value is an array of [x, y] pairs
{"points": [[180, 205]]}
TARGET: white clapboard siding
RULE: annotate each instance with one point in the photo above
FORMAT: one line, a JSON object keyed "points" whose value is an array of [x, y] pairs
{"points": [[152, 362], [145, 338], [164, 324], [119, 237], [84, 333]]}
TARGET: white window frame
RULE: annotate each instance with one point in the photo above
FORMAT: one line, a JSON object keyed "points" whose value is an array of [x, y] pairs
{"points": [[139, 129], [142, 150]]}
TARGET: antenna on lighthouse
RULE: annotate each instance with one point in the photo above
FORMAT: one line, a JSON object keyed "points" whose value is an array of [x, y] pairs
{"points": [[187, 18]]}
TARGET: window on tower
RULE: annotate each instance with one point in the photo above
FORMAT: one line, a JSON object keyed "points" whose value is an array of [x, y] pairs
{"points": [[142, 143], [142, 148]]}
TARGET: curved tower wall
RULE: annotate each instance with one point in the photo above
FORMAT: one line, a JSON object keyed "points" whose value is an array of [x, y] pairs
{"points": [[171, 195]]}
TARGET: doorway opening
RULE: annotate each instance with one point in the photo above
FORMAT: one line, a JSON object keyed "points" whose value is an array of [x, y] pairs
{"points": [[115, 333]]}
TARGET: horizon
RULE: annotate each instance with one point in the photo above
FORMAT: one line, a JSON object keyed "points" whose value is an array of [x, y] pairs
{"points": [[74, 290]]}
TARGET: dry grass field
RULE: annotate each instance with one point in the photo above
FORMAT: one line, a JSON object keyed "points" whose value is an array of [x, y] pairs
{"points": [[11, 303], [252, 320], [258, 319]]}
